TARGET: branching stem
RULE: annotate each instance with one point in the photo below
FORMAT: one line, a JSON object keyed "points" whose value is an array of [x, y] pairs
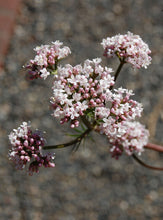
{"points": [[86, 122], [75, 141], [122, 62]]}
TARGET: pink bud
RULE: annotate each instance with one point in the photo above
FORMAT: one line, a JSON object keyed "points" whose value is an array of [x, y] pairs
{"points": [[22, 152], [26, 143]]}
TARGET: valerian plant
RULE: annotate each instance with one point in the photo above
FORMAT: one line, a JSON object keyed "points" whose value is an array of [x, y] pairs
{"points": [[85, 95]]}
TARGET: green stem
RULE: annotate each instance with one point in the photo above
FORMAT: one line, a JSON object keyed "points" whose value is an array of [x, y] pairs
{"points": [[86, 122], [56, 64], [75, 141]]}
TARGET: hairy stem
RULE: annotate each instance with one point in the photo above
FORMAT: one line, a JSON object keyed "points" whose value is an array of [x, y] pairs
{"points": [[146, 165], [75, 141]]}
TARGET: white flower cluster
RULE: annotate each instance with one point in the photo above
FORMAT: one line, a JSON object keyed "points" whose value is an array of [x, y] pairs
{"points": [[128, 47], [119, 126], [46, 59], [19, 133], [128, 136], [86, 90], [79, 89]]}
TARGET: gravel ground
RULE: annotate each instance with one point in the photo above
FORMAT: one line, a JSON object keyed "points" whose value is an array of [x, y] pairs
{"points": [[88, 184]]}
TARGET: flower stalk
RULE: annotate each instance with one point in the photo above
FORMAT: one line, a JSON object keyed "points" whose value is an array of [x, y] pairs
{"points": [[154, 147], [75, 141], [146, 165], [122, 62]]}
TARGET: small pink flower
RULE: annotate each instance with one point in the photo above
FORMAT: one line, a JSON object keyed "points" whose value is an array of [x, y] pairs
{"points": [[27, 148]]}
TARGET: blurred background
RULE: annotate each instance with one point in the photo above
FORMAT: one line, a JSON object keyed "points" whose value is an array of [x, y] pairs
{"points": [[88, 184]]}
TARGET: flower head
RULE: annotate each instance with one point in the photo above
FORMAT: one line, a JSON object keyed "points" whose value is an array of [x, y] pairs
{"points": [[27, 148], [128, 47], [79, 89], [128, 136], [46, 59]]}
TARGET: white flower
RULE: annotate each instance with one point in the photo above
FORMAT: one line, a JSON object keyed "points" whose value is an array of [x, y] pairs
{"points": [[44, 73]]}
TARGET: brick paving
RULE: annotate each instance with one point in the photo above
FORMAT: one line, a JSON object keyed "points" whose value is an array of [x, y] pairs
{"points": [[8, 12]]}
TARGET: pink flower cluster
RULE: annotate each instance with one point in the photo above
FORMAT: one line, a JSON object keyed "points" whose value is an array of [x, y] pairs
{"points": [[117, 123], [122, 107], [46, 59], [79, 90], [27, 148], [128, 136], [129, 47], [86, 91]]}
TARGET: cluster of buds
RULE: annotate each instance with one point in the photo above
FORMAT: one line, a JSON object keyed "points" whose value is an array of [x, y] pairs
{"points": [[27, 148]]}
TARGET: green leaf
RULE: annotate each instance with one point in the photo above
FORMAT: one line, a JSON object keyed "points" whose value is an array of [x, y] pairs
{"points": [[82, 126], [73, 135], [77, 130]]}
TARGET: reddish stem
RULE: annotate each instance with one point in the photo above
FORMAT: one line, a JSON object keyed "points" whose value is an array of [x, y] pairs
{"points": [[146, 165], [155, 147], [150, 146]]}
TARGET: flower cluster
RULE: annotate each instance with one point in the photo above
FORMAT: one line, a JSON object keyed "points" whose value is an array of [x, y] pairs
{"points": [[128, 136], [115, 120], [79, 90], [86, 92], [122, 107], [129, 47], [27, 147], [46, 59]]}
